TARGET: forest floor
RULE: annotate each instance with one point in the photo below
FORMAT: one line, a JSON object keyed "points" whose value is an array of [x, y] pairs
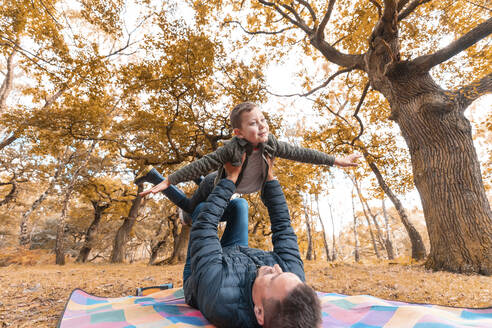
{"points": [[34, 296]]}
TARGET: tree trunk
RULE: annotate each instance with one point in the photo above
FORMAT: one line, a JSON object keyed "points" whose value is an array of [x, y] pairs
{"points": [[327, 250], [446, 171], [387, 239], [91, 231], [309, 251], [418, 247], [369, 226], [121, 238], [181, 240], [24, 236], [334, 244], [10, 196], [356, 240], [60, 232]]}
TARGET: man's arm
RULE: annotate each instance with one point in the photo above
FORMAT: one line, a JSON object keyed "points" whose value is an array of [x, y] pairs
{"points": [[205, 248], [284, 239]]}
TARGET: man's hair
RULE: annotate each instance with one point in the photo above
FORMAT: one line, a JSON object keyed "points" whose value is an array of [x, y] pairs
{"points": [[238, 111], [299, 309]]}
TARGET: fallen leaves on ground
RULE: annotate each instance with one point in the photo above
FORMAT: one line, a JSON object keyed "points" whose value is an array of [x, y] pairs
{"points": [[34, 296]]}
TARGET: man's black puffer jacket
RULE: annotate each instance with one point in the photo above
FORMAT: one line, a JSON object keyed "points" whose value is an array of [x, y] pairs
{"points": [[222, 278]]}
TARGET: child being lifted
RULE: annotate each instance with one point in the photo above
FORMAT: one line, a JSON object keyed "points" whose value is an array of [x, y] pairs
{"points": [[254, 141]]}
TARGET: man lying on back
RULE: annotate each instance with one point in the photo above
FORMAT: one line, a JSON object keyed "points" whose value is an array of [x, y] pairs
{"points": [[237, 286]]}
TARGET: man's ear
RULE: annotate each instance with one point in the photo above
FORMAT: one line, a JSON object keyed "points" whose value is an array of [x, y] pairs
{"points": [[259, 314], [237, 132]]}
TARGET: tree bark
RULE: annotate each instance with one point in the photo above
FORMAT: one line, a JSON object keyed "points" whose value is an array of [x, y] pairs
{"points": [[91, 231], [418, 247], [121, 238], [447, 175], [327, 250]]}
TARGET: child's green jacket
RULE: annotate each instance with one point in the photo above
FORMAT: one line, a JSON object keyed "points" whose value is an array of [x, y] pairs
{"points": [[233, 151]]}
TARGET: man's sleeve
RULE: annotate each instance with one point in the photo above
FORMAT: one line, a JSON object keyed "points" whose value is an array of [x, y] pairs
{"points": [[206, 251], [202, 166], [283, 237], [304, 155]]}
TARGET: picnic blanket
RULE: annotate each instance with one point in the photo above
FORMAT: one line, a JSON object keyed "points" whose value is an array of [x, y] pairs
{"points": [[167, 308]]}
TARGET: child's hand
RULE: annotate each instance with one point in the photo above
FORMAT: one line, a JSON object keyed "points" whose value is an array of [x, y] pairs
{"points": [[347, 161], [159, 187], [232, 172]]}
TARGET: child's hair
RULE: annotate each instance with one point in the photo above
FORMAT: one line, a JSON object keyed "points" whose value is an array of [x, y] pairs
{"points": [[237, 111]]}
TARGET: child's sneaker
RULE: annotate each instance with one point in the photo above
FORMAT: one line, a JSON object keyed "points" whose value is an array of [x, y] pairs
{"points": [[144, 175]]}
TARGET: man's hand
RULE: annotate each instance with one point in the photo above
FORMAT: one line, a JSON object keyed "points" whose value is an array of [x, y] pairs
{"points": [[159, 187], [232, 172], [348, 161]]}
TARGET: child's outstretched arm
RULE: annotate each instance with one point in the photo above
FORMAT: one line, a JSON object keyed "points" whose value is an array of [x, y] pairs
{"points": [[311, 156], [202, 166], [348, 161]]}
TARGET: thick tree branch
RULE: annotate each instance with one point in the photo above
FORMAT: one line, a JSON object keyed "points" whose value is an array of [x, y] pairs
{"points": [[378, 7], [426, 62], [389, 10], [403, 13], [478, 5], [11, 193], [401, 4], [309, 8], [297, 16], [337, 57], [364, 93], [346, 70], [474, 90], [8, 141], [286, 16], [320, 31]]}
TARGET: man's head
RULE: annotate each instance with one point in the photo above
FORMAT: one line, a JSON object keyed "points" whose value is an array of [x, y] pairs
{"points": [[249, 123], [282, 300]]}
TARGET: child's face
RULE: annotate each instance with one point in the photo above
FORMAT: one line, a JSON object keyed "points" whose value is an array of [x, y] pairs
{"points": [[254, 127]]}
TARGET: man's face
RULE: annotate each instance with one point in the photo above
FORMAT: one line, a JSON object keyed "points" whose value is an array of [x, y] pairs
{"points": [[254, 127], [272, 282]]}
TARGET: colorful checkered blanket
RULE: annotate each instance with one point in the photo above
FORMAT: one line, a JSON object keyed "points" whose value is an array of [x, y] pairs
{"points": [[167, 309]]}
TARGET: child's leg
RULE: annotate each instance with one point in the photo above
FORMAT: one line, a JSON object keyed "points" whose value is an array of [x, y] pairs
{"points": [[236, 216]]}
